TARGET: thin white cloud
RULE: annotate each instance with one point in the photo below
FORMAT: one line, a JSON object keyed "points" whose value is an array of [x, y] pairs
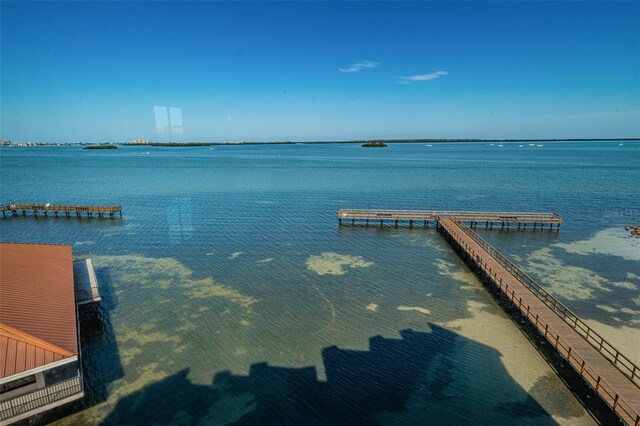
{"points": [[360, 65], [421, 77]]}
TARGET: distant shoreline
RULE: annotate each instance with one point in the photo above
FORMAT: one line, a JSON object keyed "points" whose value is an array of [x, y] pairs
{"points": [[364, 141]]}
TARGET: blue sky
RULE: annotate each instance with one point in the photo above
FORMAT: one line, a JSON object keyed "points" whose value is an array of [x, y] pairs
{"points": [[93, 72]]}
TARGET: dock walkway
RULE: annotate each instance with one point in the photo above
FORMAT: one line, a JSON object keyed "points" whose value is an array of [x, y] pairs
{"points": [[66, 209], [614, 377], [472, 217], [85, 282]]}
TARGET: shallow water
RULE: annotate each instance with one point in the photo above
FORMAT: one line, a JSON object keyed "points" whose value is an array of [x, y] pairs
{"points": [[231, 295]]}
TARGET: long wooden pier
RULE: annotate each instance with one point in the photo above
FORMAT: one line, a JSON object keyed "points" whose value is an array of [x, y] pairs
{"points": [[472, 217], [63, 209], [611, 374]]}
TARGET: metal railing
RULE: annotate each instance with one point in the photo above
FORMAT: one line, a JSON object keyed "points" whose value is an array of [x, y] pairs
{"points": [[619, 405], [31, 401]]}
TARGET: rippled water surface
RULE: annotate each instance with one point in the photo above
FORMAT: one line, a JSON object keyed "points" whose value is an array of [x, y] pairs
{"points": [[230, 293]]}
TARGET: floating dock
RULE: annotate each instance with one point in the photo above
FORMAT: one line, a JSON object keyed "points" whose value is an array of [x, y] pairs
{"points": [[61, 209], [85, 282], [611, 374]]}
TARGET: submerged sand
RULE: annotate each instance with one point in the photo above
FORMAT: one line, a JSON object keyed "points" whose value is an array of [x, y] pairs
{"points": [[191, 299], [567, 281], [488, 325], [330, 263], [611, 242]]}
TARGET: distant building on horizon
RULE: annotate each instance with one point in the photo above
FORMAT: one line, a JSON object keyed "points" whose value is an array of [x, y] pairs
{"points": [[141, 141]]}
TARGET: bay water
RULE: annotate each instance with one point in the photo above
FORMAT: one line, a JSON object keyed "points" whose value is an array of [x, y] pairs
{"points": [[231, 295]]}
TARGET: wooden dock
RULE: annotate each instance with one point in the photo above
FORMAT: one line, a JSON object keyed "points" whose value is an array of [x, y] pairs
{"points": [[614, 377], [505, 219], [85, 281], [61, 209]]}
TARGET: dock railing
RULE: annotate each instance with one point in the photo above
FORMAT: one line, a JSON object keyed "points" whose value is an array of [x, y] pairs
{"points": [[626, 366], [606, 391], [60, 207], [480, 216]]}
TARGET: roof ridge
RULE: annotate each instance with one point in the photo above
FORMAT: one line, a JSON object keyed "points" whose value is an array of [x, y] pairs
{"points": [[9, 331], [35, 244]]}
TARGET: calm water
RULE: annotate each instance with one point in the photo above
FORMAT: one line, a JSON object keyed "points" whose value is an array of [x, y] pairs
{"points": [[231, 295]]}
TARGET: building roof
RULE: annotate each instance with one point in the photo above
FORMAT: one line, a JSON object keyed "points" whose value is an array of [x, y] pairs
{"points": [[21, 352], [37, 306]]}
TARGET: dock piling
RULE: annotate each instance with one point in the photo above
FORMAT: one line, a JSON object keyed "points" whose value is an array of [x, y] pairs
{"points": [[472, 218], [57, 210]]}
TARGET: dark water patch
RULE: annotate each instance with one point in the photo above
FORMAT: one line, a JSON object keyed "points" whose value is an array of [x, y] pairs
{"points": [[182, 403], [360, 385], [101, 362]]}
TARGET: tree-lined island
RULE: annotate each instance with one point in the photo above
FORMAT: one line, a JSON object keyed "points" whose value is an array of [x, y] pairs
{"points": [[374, 144], [365, 143], [100, 147]]}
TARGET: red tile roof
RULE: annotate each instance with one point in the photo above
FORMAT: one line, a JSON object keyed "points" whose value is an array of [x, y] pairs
{"points": [[37, 306]]}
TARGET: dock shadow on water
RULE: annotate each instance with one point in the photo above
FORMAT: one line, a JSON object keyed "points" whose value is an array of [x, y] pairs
{"points": [[397, 381], [102, 364], [101, 361]]}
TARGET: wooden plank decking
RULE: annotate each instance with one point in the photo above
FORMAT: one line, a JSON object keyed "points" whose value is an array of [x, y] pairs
{"points": [[612, 375], [473, 217], [66, 209]]}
